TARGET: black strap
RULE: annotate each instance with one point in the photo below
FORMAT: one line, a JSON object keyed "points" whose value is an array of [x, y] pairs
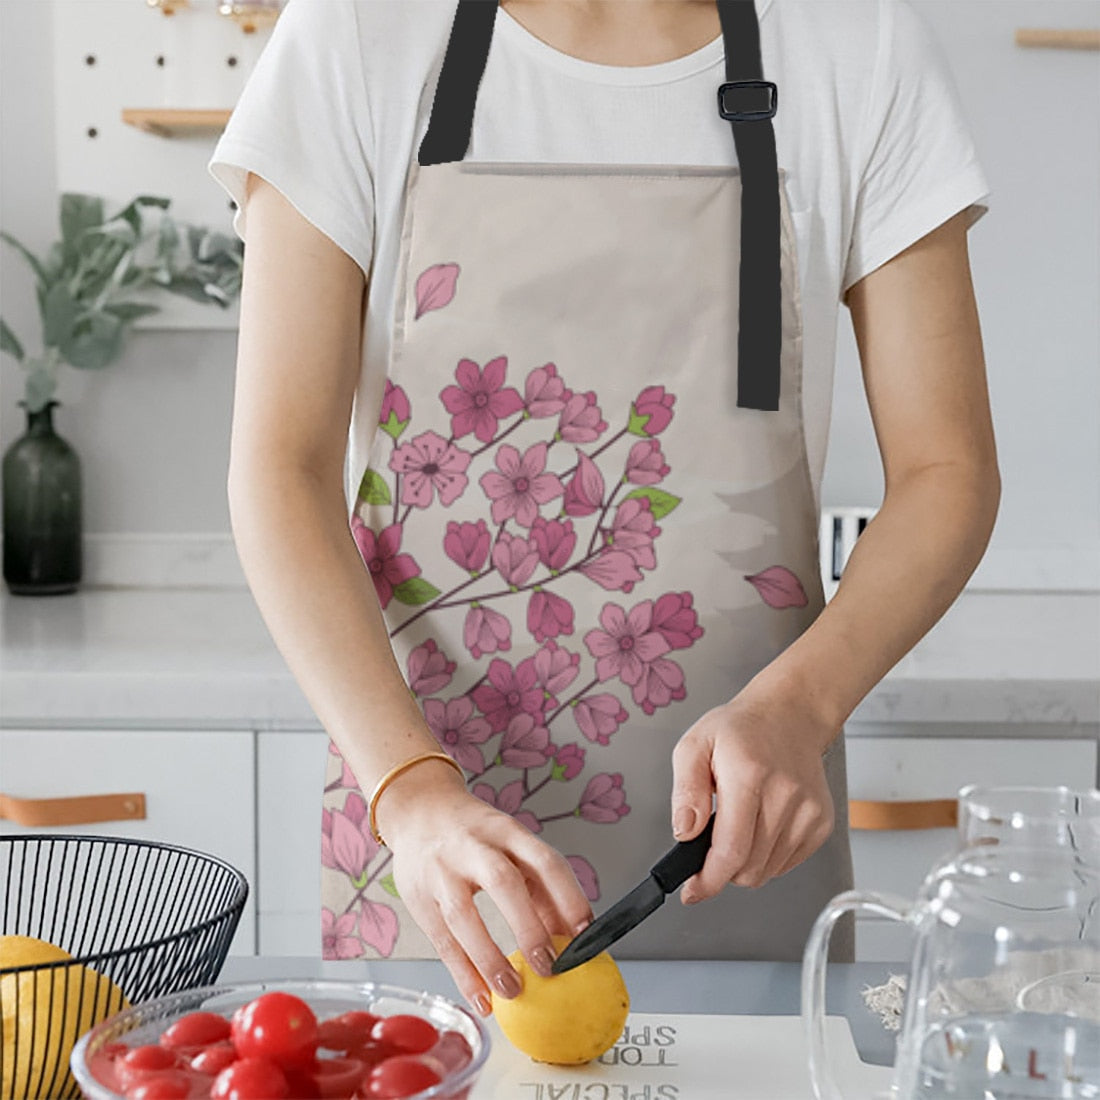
{"points": [[760, 334]]}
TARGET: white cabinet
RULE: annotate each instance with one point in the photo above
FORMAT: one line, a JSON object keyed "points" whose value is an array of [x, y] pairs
{"points": [[914, 768], [199, 789]]}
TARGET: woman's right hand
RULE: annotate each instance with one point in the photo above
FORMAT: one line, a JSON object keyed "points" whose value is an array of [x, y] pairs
{"points": [[448, 845]]}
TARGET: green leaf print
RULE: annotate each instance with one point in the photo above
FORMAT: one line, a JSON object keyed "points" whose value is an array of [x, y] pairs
{"points": [[387, 884], [638, 422], [660, 502], [394, 427], [415, 591], [373, 488]]}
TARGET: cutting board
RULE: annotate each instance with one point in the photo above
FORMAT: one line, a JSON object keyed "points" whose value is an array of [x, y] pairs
{"points": [[688, 1057]]}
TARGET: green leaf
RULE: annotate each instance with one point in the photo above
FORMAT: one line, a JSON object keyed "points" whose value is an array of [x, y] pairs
{"points": [[415, 591], [373, 488], [30, 257], [9, 342], [637, 423], [60, 312], [78, 213], [40, 388], [394, 427], [96, 343], [660, 502], [387, 884], [132, 213], [130, 311]]}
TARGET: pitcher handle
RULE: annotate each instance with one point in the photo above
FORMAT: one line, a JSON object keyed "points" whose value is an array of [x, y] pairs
{"points": [[814, 961]]}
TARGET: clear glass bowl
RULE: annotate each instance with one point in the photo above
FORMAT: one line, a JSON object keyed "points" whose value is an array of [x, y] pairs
{"points": [[144, 1023]]}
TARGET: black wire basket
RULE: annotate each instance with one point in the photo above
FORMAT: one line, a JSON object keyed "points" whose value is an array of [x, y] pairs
{"points": [[140, 919]]}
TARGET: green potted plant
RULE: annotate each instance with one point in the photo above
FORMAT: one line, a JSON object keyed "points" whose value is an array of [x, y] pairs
{"points": [[91, 285]]}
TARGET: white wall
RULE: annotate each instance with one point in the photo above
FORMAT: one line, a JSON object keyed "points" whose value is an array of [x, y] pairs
{"points": [[153, 429]]}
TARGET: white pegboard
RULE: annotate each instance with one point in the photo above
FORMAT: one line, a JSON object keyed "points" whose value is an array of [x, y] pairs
{"points": [[115, 54]]}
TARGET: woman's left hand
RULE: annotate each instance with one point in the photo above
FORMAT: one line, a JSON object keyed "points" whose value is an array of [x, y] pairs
{"points": [[762, 754]]}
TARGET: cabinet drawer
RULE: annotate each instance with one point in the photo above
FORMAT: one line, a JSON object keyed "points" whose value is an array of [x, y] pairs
{"points": [[198, 787]]}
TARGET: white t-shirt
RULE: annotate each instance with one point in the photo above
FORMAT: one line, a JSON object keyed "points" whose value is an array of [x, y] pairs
{"points": [[869, 128]]}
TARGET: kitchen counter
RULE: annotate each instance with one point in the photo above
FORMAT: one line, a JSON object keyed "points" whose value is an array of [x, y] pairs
{"points": [[202, 658]]}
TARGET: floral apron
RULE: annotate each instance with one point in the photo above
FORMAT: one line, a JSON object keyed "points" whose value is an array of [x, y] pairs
{"points": [[588, 511]]}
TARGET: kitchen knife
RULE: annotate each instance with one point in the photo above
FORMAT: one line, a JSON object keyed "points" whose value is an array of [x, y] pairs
{"points": [[671, 871]]}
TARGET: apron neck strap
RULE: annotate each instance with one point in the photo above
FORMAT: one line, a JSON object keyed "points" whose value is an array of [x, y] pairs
{"points": [[760, 303]]}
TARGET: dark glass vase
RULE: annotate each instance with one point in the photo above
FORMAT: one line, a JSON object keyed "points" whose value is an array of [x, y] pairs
{"points": [[43, 553]]}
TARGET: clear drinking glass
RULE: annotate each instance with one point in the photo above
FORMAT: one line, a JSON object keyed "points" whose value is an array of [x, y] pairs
{"points": [[1034, 816]]}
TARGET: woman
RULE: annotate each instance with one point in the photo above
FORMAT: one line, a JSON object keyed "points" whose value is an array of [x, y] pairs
{"points": [[579, 321]]}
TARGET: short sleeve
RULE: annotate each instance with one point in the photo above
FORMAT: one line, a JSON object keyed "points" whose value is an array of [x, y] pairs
{"points": [[302, 123], [919, 165]]}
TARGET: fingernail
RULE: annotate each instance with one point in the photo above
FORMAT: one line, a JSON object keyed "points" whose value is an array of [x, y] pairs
{"points": [[690, 897], [482, 1004], [507, 981], [682, 821], [541, 959]]}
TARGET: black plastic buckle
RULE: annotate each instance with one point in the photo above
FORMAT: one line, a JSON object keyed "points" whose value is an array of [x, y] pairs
{"points": [[747, 100]]}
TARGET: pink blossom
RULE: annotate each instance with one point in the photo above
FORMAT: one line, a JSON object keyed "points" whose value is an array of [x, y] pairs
{"points": [[599, 716], [429, 669], [604, 800], [525, 743], [544, 392], [429, 462], [633, 530], [548, 615], [568, 762], [347, 777], [676, 620], [661, 682], [626, 643], [645, 465], [435, 287], [586, 875], [515, 558], [478, 401], [508, 801], [467, 544], [395, 413], [486, 631], [584, 493], [509, 691], [338, 939], [555, 541], [580, 420], [555, 668], [386, 566], [612, 569], [378, 925], [458, 731], [655, 404], [518, 486], [346, 841]]}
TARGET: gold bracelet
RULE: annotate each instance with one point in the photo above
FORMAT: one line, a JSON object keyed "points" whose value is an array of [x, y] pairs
{"points": [[391, 775]]}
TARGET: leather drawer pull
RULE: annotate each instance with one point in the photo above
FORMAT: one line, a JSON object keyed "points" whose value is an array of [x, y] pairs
{"points": [[78, 810], [931, 813]]}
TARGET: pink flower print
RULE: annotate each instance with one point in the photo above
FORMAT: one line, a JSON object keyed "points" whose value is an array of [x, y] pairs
{"points": [[378, 925], [515, 558], [435, 287], [581, 421], [386, 566], [555, 540], [548, 615], [652, 411], [346, 842], [486, 631], [508, 801], [479, 400], [458, 731], [509, 692], [626, 644], [645, 465], [525, 743], [779, 587], [586, 875], [599, 716], [518, 486], [338, 939], [568, 762], [544, 392], [633, 530], [429, 462], [604, 800], [555, 668], [676, 620], [429, 669], [467, 544], [347, 777], [613, 569], [584, 493], [661, 682], [395, 414]]}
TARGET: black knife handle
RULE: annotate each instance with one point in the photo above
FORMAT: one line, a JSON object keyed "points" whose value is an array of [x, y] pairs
{"points": [[686, 859]]}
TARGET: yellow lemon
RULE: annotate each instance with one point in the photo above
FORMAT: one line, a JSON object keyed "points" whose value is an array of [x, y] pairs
{"points": [[43, 1013], [567, 1019]]}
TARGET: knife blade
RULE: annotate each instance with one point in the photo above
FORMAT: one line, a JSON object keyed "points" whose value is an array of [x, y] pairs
{"points": [[673, 869]]}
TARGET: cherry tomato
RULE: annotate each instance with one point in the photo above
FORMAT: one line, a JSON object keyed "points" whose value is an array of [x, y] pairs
{"points": [[171, 1084], [372, 1052], [278, 1026], [141, 1062], [196, 1029], [350, 1029], [401, 1076], [250, 1079], [301, 1084], [338, 1077], [452, 1052], [408, 1034], [214, 1058]]}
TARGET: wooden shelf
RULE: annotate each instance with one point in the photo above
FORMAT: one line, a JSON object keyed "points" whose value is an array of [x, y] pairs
{"points": [[171, 122], [1054, 39]]}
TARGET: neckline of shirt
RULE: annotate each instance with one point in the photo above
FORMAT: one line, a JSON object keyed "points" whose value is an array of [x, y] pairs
{"points": [[664, 72]]}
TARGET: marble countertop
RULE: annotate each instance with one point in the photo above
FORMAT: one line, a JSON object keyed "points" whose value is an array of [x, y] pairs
{"points": [[202, 658]]}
